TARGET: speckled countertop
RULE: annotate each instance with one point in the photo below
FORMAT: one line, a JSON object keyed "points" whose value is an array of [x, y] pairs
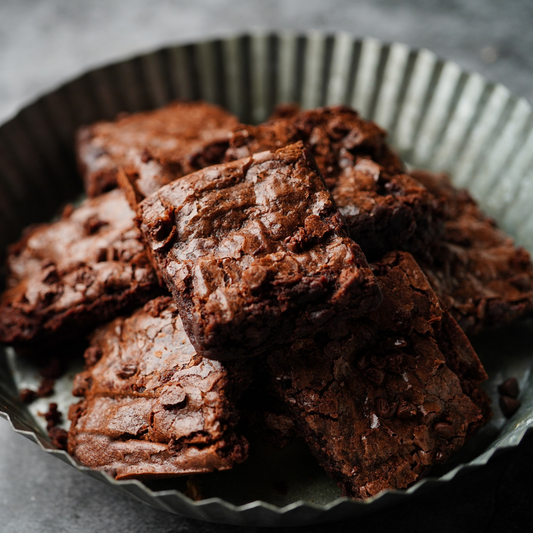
{"points": [[46, 42]]}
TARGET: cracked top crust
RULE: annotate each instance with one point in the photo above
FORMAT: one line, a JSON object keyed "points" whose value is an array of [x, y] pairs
{"points": [[382, 399], [250, 246], [330, 134], [68, 276], [152, 407], [385, 209], [158, 145]]}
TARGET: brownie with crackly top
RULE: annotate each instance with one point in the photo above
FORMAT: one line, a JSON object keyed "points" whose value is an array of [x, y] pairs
{"points": [[383, 399], [480, 275], [154, 146], [385, 209], [66, 277], [330, 133], [255, 251], [152, 407]]}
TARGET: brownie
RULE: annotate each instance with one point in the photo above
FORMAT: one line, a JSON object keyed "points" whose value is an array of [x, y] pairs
{"points": [[152, 407], [387, 213], [401, 399], [385, 209], [255, 251], [68, 276], [159, 145], [330, 133], [479, 274]]}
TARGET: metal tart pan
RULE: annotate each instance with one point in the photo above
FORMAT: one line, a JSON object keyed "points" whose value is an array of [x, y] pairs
{"points": [[438, 117]]}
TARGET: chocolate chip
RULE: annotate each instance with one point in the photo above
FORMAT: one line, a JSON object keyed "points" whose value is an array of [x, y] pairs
{"points": [[161, 230], [443, 430], [509, 388], [405, 410], [509, 406], [385, 408], [293, 245], [375, 376], [28, 395], [321, 316]]}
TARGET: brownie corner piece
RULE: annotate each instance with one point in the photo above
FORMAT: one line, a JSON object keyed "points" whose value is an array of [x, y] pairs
{"points": [[180, 137], [393, 395], [151, 406], [255, 250]]}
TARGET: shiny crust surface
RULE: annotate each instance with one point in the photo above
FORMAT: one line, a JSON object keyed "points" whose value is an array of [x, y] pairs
{"points": [[151, 405], [68, 276], [251, 247], [155, 146]]}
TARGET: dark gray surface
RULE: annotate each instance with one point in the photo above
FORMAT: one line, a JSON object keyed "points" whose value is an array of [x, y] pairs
{"points": [[40, 494], [43, 43]]}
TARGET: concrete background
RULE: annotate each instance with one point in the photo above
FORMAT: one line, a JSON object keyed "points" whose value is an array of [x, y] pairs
{"points": [[44, 43]]}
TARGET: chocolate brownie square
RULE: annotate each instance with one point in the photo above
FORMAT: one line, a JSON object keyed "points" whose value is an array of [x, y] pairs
{"points": [[385, 209], [480, 275], [330, 133], [382, 399], [152, 407], [68, 276], [156, 145], [253, 251]]}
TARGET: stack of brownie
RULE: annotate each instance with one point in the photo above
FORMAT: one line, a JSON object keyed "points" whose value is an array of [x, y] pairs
{"points": [[292, 275]]}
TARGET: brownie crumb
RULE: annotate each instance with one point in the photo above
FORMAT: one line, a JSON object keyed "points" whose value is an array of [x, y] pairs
{"points": [[46, 387], [509, 406], [151, 407], [509, 388], [53, 416], [59, 437], [28, 395]]}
